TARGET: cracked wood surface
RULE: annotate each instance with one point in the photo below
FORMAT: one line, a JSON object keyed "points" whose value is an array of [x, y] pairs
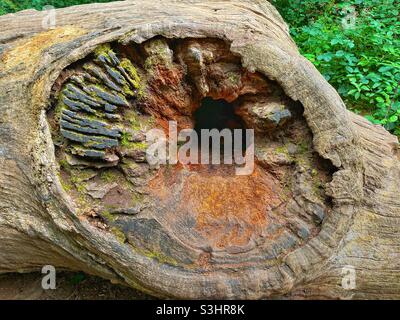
{"points": [[37, 221]]}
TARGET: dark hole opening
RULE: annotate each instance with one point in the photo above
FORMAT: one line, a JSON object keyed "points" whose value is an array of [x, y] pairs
{"points": [[220, 115]]}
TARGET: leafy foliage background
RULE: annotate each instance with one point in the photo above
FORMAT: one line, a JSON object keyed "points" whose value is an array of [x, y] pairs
{"points": [[355, 44]]}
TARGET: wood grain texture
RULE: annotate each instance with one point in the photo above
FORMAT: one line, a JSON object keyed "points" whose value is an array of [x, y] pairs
{"points": [[37, 221]]}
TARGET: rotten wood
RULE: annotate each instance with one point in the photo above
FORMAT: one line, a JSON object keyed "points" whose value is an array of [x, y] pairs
{"points": [[323, 196]]}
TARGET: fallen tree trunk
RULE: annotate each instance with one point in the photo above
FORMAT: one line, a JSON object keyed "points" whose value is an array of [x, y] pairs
{"points": [[77, 193]]}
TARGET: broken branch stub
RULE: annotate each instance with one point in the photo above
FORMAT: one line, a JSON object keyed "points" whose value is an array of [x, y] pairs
{"points": [[86, 197]]}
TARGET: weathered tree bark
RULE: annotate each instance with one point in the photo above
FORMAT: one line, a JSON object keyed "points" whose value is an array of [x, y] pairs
{"points": [[39, 219]]}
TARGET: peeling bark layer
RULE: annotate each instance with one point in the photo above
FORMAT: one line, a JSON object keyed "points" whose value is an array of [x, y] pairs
{"points": [[77, 193]]}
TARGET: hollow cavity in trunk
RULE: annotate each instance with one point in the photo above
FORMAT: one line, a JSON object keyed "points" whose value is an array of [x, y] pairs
{"points": [[201, 216]]}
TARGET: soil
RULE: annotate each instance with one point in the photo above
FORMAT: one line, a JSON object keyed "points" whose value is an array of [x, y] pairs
{"points": [[70, 286]]}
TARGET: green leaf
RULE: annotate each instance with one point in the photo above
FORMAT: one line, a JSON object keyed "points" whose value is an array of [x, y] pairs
{"points": [[385, 69], [326, 56]]}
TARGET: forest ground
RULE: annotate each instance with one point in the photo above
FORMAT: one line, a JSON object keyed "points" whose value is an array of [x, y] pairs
{"points": [[70, 286]]}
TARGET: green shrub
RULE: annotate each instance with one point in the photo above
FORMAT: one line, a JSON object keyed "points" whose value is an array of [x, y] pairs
{"points": [[356, 46]]}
